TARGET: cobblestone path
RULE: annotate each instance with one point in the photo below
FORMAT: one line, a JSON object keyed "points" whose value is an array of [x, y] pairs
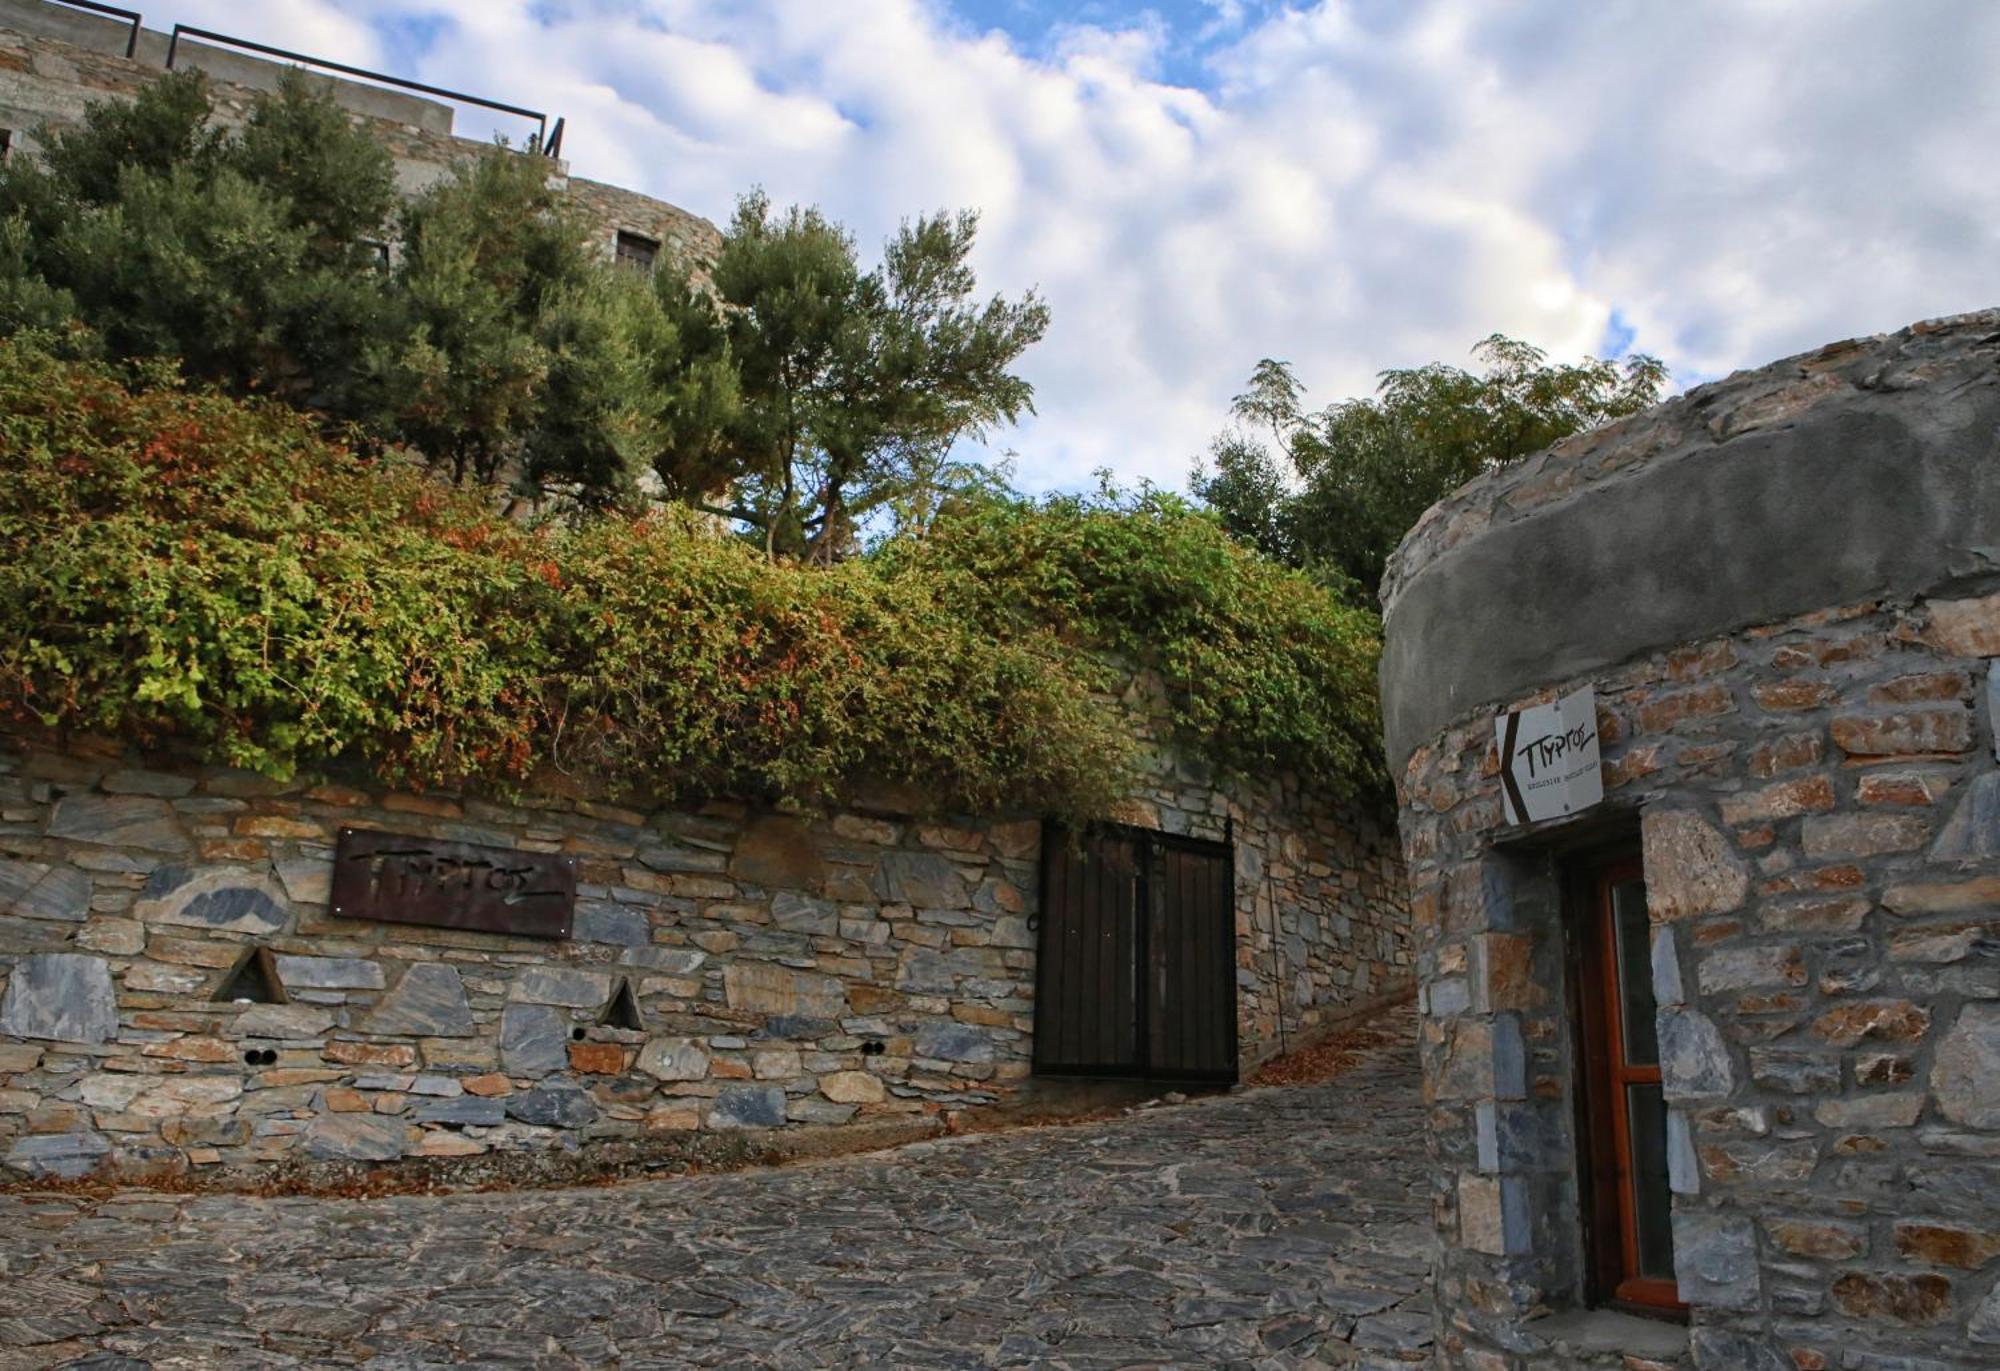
{"points": [[1268, 1228]]}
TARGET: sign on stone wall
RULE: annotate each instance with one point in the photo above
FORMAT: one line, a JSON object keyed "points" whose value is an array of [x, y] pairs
{"points": [[1549, 760], [397, 878]]}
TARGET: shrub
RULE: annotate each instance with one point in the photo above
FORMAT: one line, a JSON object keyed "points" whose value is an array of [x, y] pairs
{"points": [[185, 569], [1264, 669]]}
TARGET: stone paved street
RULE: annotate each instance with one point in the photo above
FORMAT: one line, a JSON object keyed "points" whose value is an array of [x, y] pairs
{"points": [[1274, 1227]]}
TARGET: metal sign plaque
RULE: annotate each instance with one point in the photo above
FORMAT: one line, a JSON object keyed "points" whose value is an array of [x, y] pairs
{"points": [[1549, 761], [396, 878]]}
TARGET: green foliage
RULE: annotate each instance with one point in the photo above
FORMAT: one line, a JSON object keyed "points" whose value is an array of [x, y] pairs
{"points": [[1262, 670], [1334, 491], [838, 392], [191, 570], [803, 393], [495, 344], [248, 258]]}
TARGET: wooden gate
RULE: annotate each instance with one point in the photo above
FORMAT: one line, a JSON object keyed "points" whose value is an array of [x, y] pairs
{"points": [[1136, 964]]}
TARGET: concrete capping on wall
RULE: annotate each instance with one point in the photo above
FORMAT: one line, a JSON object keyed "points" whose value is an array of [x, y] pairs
{"points": [[1720, 509]]}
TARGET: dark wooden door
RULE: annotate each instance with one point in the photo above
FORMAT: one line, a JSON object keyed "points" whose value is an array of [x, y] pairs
{"points": [[1136, 968]]}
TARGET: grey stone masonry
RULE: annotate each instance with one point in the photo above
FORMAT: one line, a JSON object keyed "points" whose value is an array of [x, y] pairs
{"points": [[1816, 805], [732, 971]]}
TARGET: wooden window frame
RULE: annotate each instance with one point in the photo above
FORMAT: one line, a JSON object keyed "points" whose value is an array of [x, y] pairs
{"points": [[1611, 1236], [628, 246]]}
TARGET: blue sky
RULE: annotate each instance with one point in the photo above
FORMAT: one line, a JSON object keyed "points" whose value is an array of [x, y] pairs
{"points": [[1193, 28], [1350, 185]]}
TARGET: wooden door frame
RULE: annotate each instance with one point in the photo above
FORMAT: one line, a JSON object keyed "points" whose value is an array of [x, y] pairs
{"points": [[1604, 1191]]}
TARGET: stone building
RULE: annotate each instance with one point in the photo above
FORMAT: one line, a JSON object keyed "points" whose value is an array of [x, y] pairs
{"points": [[55, 60], [1724, 1047]]}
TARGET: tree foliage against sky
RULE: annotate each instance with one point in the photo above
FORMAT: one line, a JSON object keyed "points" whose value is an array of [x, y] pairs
{"points": [[805, 397], [841, 392], [1334, 490]]}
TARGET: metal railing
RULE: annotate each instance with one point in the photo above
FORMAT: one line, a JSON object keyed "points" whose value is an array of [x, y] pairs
{"points": [[132, 17], [543, 142]]}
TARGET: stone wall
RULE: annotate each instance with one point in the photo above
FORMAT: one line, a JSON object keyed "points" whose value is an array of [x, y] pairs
{"points": [[859, 967], [1322, 914], [1819, 805]]}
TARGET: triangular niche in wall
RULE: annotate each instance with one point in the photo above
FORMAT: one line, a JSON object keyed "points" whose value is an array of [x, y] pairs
{"points": [[623, 1011], [253, 980]]}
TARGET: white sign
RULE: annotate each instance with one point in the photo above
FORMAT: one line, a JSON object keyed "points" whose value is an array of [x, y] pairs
{"points": [[1549, 762]]}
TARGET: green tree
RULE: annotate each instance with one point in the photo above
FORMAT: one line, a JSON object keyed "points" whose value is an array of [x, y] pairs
{"points": [[1333, 491], [845, 389], [252, 258]]}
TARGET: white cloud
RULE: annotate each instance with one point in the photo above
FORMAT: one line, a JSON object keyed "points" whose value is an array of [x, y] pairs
{"points": [[1359, 185]]}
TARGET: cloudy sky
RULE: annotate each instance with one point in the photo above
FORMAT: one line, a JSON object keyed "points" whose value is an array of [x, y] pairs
{"points": [[1195, 184]]}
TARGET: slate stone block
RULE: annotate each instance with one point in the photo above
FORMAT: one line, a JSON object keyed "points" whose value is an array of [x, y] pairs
{"points": [[674, 1059], [356, 1138], [429, 1002], [162, 784], [814, 1110], [748, 1106], [1694, 1061], [671, 961], [35, 891], [309, 880], [762, 988], [67, 1155], [926, 972], [461, 1110], [65, 996], [562, 985], [227, 899], [289, 1022], [119, 821], [553, 1106], [796, 1028], [797, 913], [329, 973], [954, 1042], [601, 922], [922, 879], [1966, 1076], [1973, 834], [1715, 1260], [534, 1039], [778, 853]]}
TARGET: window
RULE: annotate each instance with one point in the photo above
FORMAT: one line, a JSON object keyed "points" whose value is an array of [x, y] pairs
{"points": [[6, 143], [1629, 1207], [636, 251]]}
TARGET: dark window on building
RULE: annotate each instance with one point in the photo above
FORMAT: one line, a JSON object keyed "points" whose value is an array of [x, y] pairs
{"points": [[380, 249], [6, 143], [637, 251], [1629, 1207]]}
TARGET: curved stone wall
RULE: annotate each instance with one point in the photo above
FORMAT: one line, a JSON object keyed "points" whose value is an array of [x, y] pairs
{"points": [[860, 969], [1863, 469], [1795, 686]]}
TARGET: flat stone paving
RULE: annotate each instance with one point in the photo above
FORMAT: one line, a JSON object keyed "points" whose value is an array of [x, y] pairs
{"points": [[1278, 1227]]}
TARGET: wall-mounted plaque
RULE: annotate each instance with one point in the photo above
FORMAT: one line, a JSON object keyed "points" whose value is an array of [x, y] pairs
{"points": [[1549, 762], [395, 878]]}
